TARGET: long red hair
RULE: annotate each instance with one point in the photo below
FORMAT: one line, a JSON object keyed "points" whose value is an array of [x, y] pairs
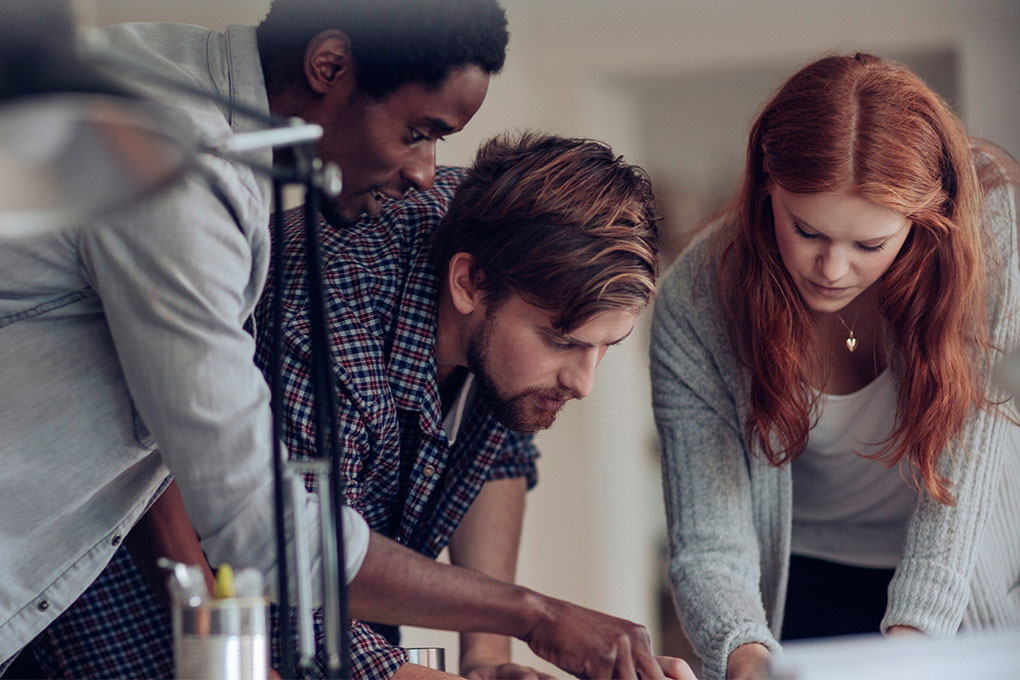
{"points": [[867, 127]]}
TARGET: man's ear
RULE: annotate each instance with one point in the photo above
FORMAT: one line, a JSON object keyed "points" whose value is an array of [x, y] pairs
{"points": [[328, 61], [463, 284]]}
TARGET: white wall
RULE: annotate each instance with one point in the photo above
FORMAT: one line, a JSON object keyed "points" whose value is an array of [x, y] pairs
{"points": [[559, 46], [591, 68]]}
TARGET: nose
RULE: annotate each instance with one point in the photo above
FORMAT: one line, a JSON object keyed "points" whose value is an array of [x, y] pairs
{"points": [[420, 171], [579, 375], [833, 264]]}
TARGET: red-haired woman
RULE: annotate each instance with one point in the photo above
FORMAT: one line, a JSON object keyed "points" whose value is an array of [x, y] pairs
{"points": [[836, 457]]}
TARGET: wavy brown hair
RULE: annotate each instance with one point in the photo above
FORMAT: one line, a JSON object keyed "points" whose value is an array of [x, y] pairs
{"points": [[562, 222], [867, 127]]}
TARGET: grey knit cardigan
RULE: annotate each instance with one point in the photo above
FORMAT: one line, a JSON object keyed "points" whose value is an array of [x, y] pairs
{"points": [[729, 510]]}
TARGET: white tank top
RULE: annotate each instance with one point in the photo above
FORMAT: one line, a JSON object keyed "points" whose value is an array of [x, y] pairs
{"points": [[847, 508]]}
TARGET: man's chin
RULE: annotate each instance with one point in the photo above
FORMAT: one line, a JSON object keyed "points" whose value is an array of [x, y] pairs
{"points": [[531, 423], [357, 209], [339, 216], [544, 419], [352, 207]]}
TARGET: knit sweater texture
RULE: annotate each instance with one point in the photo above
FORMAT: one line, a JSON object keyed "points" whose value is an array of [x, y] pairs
{"points": [[730, 511]]}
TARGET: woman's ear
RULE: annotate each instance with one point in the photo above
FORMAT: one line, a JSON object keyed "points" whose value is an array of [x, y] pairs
{"points": [[464, 284], [328, 61]]}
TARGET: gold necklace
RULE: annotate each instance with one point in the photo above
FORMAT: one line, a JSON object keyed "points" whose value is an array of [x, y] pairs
{"points": [[851, 341]]}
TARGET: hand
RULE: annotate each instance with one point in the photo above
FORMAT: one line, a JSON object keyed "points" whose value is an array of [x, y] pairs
{"points": [[589, 644], [894, 631], [675, 669], [748, 662], [413, 671], [503, 671]]}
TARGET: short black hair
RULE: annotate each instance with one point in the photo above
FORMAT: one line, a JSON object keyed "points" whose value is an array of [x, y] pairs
{"points": [[394, 42]]}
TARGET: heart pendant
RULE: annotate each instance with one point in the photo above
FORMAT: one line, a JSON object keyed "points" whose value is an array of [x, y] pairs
{"points": [[851, 343]]}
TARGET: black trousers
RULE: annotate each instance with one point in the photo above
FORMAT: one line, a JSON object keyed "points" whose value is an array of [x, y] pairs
{"points": [[826, 598]]}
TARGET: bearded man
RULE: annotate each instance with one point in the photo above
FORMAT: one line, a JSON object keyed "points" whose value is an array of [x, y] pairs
{"points": [[463, 319]]}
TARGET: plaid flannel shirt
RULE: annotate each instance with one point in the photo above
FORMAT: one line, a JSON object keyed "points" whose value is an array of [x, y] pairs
{"points": [[399, 469]]}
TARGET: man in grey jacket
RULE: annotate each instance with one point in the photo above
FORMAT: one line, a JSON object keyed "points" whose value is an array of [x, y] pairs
{"points": [[126, 333]]}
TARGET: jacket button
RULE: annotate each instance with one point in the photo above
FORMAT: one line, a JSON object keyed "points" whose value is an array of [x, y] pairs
{"points": [[116, 540], [428, 471], [43, 605]]}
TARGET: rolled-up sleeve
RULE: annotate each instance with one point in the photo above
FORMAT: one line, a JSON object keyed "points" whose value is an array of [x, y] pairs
{"points": [[516, 459]]}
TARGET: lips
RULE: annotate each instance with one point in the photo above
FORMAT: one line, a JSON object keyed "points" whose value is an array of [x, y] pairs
{"points": [[395, 194], [550, 404], [375, 197], [828, 291]]}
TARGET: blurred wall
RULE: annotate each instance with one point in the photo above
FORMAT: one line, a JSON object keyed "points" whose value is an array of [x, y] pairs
{"points": [[672, 85]]}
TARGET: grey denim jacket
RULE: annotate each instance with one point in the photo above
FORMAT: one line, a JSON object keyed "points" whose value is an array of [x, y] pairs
{"points": [[125, 332]]}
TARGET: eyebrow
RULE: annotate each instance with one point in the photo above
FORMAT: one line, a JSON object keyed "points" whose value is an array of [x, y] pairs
{"points": [[807, 224], [580, 343], [439, 124]]}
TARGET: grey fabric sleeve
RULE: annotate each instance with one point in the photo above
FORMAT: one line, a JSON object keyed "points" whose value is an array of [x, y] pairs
{"points": [[714, 550], [931, 587]]}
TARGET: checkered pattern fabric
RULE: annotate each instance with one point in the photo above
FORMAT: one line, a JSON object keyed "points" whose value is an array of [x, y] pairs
{"points": [[116, 629], [399, 468]]}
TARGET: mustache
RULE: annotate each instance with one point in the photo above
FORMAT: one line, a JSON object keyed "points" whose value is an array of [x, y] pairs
{"points": [[558, 395]]}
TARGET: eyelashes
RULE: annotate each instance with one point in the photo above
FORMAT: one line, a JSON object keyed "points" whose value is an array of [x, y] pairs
{"points": [[860, 246], [870, 249], [803, 234], [419, 136]]}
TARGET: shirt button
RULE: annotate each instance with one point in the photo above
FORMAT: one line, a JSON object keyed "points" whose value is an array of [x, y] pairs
{"points": [[428, 471], [116, 540], [43, 605]]}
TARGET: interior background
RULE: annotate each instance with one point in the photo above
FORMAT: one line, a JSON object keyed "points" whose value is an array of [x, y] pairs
{"points": [[673, 86]]}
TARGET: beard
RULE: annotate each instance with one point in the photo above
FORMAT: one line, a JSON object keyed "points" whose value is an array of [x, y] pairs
{"points": [[512, 412]]}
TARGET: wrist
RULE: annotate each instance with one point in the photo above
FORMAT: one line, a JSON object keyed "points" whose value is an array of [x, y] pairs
{"points": [[483, 649], [748, 662], [536, 611], [902, 630], [522, 610]]}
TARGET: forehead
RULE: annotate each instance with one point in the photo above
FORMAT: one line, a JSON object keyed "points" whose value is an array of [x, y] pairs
{"points": [[447, 107], [839, 215]]}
